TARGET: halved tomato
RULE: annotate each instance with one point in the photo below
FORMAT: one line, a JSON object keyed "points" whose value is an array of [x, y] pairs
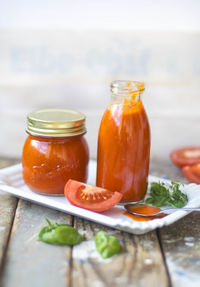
{"points": [[91, 197], [192, 173], [185, 156]]}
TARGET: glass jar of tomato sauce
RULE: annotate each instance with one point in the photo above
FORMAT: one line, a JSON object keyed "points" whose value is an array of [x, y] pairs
{"points": [[55, 150], [124, 143]]}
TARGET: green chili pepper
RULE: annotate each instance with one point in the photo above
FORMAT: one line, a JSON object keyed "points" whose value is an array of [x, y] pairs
{"points": [[106, 245], [62, 234]]}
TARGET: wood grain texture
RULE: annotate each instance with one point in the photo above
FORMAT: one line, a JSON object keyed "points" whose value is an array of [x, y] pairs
{"points": [[181, 240], [163, 168], [4, 162], [30, 262], [140, 263], [181, 245], [7, 210]]}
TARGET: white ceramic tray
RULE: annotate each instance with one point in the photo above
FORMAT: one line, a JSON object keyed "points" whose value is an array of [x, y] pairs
{"points": [[11, 181]]}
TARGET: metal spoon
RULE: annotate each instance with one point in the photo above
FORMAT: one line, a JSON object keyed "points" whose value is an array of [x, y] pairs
{"points": [[159, 212]]}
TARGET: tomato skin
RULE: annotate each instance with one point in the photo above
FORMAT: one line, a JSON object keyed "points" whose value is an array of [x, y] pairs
{"points": [[192, 173], [90, 197], [185, 156]]}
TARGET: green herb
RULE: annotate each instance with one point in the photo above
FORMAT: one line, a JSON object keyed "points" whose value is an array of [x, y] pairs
{"points": [[62, 234], [178, 198], [163, 194], [106, 245]]}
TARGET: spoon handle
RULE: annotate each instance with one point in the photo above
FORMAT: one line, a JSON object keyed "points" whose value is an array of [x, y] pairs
{"points": [[182, 208]]}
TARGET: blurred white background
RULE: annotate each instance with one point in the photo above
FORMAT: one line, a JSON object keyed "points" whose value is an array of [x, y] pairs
{"points": [[66, 53]]}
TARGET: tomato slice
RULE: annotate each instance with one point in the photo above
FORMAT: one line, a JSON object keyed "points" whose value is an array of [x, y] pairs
{"points": [[192, 173], [185, 156], [90, 197]]}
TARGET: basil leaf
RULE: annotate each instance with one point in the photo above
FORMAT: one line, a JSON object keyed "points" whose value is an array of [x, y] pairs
{"points": [[162, 194], [106, 245], [62, 234]]}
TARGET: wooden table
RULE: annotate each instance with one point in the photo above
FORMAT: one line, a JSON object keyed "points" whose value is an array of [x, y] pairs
{"points": [[165, 257]]}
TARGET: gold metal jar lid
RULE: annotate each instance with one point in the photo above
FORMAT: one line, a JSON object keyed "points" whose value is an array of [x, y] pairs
{"points": [[56, 123]]}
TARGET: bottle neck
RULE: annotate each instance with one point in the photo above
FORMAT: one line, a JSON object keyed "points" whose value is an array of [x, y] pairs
{"points": [[126, 92]]}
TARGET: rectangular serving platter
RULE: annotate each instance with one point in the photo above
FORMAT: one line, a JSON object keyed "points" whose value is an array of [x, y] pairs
{"points": [[11, 181]]}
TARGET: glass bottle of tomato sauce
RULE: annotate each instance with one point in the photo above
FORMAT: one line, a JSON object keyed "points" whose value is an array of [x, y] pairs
{"points": [[55, 150], [124, 143]]}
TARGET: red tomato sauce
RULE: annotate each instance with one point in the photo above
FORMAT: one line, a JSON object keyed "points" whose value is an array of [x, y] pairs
{"points": [[123, 150], [146, 210], [49, 162], [141, 218]]}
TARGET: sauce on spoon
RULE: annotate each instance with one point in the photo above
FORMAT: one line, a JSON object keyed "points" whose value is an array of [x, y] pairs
{"points": [[144, 209]]}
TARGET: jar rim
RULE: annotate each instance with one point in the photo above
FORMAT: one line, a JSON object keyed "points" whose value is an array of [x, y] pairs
{"points": [[56, 123], [125, 87]]}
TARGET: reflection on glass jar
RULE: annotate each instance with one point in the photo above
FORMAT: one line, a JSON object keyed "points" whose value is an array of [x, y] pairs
{"points": [[55, 150], [124, 143]]}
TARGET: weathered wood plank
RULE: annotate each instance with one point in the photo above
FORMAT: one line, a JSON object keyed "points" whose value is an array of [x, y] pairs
{"points": [[30, 262], [140, 263], [166, 168], [181, 240], [7, 210], [181, 245], [4, 162]]}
